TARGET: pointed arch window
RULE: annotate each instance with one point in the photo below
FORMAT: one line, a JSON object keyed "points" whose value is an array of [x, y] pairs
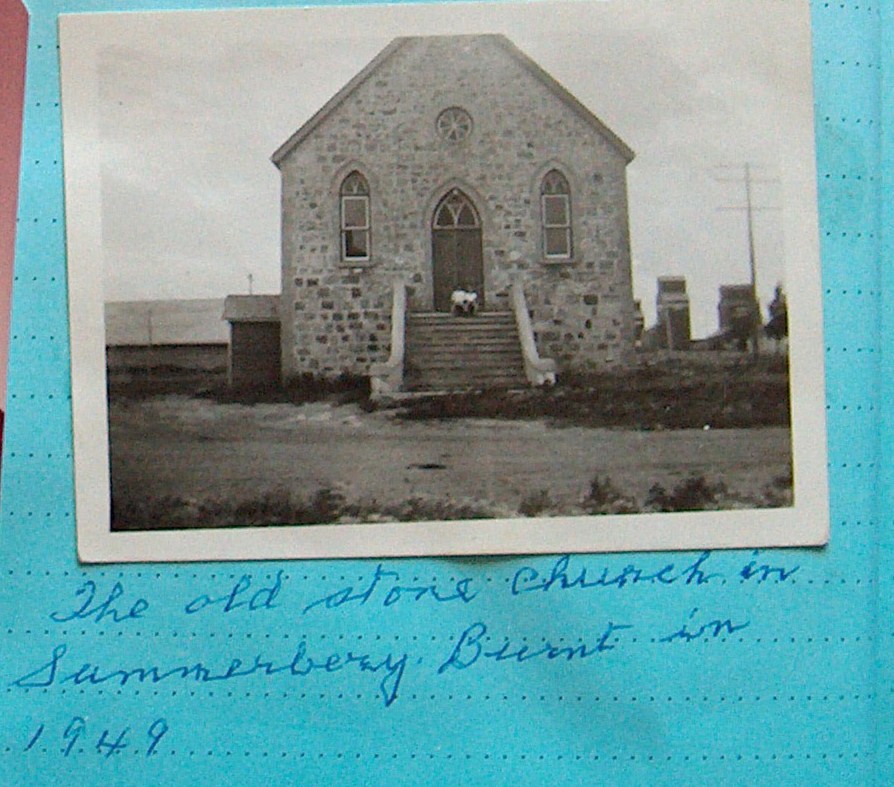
{"points": [[555, 211], [355, 221], [455, 212]]}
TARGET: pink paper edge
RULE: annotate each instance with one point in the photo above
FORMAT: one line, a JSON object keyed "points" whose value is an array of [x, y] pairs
{"points": [[13, 49]]}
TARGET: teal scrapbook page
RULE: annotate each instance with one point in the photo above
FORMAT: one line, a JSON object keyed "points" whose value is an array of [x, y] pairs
{"points": [[409, 394]]}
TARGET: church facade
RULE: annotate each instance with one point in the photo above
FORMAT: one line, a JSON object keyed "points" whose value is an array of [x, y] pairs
{"points": [[453, 162]]}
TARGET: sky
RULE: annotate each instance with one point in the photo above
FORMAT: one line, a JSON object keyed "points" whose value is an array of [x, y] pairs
{"points": [[189, 107]]}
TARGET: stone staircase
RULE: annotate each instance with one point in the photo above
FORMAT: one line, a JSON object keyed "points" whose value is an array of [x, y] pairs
{"points": [[449, 353]]}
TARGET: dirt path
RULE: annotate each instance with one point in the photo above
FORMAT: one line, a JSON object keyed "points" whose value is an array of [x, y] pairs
{"points": [[198, 449]]}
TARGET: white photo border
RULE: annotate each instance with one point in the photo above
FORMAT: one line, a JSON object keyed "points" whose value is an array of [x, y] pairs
{"points": [[805, 523]]}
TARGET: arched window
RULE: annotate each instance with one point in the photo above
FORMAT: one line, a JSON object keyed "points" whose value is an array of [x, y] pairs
{"points": [[455, 212], [355, 223], [555, 209]]}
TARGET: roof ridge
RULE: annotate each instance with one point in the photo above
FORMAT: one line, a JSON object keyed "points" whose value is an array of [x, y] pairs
{"points": [[525, 60], [358, 79]]}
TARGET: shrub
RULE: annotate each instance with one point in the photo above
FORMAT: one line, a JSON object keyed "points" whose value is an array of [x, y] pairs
{"points": [[167, 512], [429, 509], [692, 494], [707, 388], [657, 498], [696, 494], [774, 497], [602, 491], [784, 481], [327, 505], [604, 498], [535, 503], [779, 493], [344, 389], [273, 508]]}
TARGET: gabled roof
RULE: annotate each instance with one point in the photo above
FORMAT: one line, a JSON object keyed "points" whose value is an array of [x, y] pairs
{"points": [[399, 43], [157, 322], [251, 308]]}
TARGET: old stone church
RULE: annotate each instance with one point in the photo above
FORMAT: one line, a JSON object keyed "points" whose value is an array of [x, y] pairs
{"points": [[454, 162]]}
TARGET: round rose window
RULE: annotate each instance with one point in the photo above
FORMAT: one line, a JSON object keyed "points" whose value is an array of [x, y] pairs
{"points": [[454, 124]]}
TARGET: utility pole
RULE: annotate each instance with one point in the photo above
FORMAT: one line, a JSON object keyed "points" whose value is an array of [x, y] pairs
{"points": [[251, 279], [750, 210], [149, 353]]}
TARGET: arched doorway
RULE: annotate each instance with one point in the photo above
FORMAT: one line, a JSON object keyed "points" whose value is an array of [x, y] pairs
{"points": [[457, 259]]}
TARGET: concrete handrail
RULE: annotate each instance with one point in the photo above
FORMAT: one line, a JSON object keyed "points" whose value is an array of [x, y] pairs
{"points": [[388, 377], [538, 370]]}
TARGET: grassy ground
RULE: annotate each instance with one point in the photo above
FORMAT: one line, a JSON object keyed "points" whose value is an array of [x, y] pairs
{"points": [[691, 390], [685, 391], [184, 461]]}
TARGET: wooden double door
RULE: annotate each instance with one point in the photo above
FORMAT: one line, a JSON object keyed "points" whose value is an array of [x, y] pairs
{"points": [[457, 257]]}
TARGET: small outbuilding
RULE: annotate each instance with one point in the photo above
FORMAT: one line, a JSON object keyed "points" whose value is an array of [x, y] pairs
{"points": [[255, 347]]}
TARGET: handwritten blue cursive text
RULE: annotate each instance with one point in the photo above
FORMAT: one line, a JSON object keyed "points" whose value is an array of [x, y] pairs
{"points": [[301, 664]]}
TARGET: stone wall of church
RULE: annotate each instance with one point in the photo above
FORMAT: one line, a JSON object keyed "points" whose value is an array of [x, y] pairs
{"points": [[336, 316]]}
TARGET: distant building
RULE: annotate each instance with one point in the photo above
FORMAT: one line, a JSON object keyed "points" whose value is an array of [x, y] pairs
{"points": [[738, 314], [143, 337], [672, 304]]}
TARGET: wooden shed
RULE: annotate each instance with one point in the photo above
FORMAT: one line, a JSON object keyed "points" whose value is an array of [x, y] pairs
{"points": [[255, 348]]}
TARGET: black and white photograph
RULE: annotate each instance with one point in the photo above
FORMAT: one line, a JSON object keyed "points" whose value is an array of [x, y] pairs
{"points": [[452, 278]]}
